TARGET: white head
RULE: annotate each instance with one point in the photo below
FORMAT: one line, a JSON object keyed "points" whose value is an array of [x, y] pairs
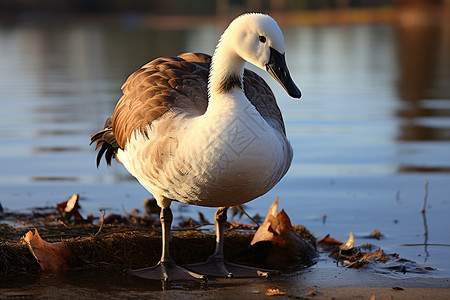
{"points": [[258, 39], [252, 36]]}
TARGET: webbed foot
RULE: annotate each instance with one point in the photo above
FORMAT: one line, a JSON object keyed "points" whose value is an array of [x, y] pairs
{"points": [[166, 271], [218, 267]]}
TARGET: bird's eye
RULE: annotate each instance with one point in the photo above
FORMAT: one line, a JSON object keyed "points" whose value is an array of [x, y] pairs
{"points": [[262, 39]]}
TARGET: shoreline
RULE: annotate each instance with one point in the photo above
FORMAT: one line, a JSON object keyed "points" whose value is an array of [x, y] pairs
{"points": [[408, 15], [94, 274]]}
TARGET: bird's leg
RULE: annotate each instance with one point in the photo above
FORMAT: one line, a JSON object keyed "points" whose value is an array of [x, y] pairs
{"points": [[166, 269], [166, 218], [216, 265], [220, 217], [217, 259]]}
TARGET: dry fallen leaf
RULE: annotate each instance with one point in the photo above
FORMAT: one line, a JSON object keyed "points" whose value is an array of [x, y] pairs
{"points": [[349, 244], [288, 246], [50, 256], [328, 241], [69, 209], [313, 293], [274, 292], [69, 206], [425, 269], [345, 251], [376, 255], [276, 227], [239, 225], [72, 203], [376, 234], [357, 257]]}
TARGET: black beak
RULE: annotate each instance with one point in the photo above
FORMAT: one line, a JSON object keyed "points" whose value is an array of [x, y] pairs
{"points": [[278, 69]]}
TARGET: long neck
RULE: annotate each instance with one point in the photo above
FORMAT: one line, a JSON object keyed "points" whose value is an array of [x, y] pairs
{"points": [[227, 70]]}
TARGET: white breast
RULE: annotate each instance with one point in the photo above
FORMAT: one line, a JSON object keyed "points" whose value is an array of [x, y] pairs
{"points": [[227, 157]]}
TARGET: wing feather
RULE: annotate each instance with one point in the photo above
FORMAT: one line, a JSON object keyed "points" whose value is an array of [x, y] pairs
{"points": [[159, 86], [169, 83]]}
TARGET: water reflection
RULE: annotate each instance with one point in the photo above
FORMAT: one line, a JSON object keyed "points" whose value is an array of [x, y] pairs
{"points": [[60, 82], [423, 85], [374, 121]]}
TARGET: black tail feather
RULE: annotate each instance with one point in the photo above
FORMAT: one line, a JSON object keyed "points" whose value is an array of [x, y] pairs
{"points": [[107, 140], [100, 154]]}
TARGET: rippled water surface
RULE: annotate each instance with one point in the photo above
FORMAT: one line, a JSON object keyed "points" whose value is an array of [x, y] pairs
{"points": [[372, 128]]}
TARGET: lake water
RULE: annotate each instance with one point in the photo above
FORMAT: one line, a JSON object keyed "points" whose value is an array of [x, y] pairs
{"points": [[372, 127]]}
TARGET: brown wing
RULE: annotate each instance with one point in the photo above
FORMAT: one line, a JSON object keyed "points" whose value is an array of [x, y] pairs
{"points": [[170, 83], [262, 98], [162, 84]]}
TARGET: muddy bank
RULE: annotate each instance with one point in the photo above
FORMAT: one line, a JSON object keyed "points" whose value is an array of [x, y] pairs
{"points": [[119, 246], [35, 241], [99, 253]]}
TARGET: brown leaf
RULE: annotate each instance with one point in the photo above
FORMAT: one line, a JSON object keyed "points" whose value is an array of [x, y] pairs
{"points": [[72, 203], [349, 244], [274, 292], [425, 269], [69, 209], [265, 232], [288, 247], [376, 234], [277, 228], [313, 293], [68, 206], [50, 256], [345, 251], [376, 255], [238, 225], [328, 241]]}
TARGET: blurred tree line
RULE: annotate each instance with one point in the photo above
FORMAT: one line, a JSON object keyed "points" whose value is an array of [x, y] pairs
{"points": [[195, 7], [185, 7]]}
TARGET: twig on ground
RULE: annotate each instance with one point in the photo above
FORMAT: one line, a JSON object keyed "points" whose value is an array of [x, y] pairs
{"points": [[425, 197], [195, 227], [64, 224], [427, 254], [101, 221], [248, 216]]}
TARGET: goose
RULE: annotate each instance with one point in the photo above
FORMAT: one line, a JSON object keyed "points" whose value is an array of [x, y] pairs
{"points": [[204, 131]]}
